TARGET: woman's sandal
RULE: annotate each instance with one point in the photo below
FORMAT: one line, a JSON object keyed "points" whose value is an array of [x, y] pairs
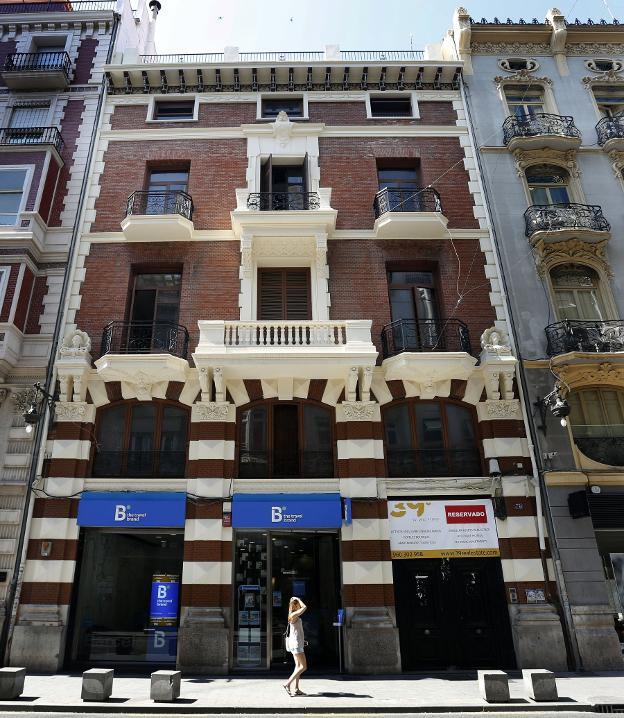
{"points": [[300, 693], [287, 689]]}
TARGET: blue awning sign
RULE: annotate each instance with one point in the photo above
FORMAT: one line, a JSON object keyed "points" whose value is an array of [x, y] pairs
{"points": [[287, 511], [132, 509]]}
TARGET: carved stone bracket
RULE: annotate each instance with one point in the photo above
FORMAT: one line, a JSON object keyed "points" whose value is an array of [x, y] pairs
{"points": [[563, 158], [209, 376], [549, 255], [246, 256], [498, 364], [73, 366]]}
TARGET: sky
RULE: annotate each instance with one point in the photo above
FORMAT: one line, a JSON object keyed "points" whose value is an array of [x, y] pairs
{"points": [[187, 26]]}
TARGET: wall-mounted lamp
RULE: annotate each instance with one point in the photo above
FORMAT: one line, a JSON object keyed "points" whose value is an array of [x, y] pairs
{"points": [[494, 469], [558, 406], [32, 415]]}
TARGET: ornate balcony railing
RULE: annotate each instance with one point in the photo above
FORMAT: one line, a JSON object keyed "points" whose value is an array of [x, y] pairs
{"points": [[145, 338], [539, 124], [425, 199], [425, 335], [38, 62], [277, 201], [610, 128], [278, 56], [73, 6], [32, 136], [280, 464], [433, 462], [572, 216], [168, 202], [285, 333], [139, 464], [601, 442], [576, 335]]}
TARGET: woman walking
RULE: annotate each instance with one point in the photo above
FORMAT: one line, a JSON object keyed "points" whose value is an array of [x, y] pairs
{"points": [[295, 644]]}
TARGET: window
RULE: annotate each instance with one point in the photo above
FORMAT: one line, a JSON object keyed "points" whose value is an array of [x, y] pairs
{"points": [[413, 310], [145, 439], [524, 100], [577, 292], [12, 183], [163, 187], [284, 294], [548, 184], [292, 106], [610, 99], [30, 115], [603, 65], [391, 106], [285, 440], [284, 184], [154, 312], [597, 420], [174, 110], [431, 438], [402, 184]]}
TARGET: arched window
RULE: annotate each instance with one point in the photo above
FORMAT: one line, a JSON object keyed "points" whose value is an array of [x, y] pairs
{"points": [[285, 440], [577, 292], [597, 420], [548, 184], [431, 438], [141, 439]]}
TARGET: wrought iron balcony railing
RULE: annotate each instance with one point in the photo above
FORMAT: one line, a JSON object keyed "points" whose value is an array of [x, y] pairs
{"points": [[572, 216], [603, 443], [610, 128], [425, 199], [38, 62], [539, 124], [168, 202], [433, 462], [57, 6], [32, 136], [139, 464], [145, 338], [279, 464], [425, 335], [576, 335], [277, 201]]}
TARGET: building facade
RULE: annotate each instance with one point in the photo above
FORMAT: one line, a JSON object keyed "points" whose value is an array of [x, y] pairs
{"points": [[544, 101], [286, 370], [52, 56]]}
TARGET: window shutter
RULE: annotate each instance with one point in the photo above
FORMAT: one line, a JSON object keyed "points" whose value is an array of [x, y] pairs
{"points": [[283, 294]]}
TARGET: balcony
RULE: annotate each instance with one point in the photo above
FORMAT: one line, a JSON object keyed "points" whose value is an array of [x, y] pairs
{"points": [[37, 71], [17, 8], [152, 351], [601, 443], [417, 463], [409, 214], [559, 222], [595, 337], [529, 132], [285, 465], [31, 136], [283, 213], [139, 464], [427, 352], [610, 132], [273, 350], [158, 217]]}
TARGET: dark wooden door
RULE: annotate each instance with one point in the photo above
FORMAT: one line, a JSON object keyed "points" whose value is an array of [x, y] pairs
{"points": [[452, 613]]}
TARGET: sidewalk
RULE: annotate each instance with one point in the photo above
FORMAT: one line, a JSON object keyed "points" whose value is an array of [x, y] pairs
{"points": [[336, 694]]}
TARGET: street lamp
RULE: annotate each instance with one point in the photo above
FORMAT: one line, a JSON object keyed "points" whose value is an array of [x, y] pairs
{"points": [[32, 415], [558, 406]]}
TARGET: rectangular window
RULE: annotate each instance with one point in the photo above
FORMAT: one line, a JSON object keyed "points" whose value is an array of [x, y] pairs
{"points": [[284, 294], [35, 115], [174, 110], [391, 107], [292, 106], [11, 192], [163, 191], [524, 100], [402, 184], [610, 99]]}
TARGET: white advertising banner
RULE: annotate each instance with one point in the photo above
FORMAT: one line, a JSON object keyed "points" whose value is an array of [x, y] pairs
{"points": [[451, 528]]}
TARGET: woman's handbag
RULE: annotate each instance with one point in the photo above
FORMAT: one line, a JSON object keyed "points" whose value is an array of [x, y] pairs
{"points": [[286, 636]]}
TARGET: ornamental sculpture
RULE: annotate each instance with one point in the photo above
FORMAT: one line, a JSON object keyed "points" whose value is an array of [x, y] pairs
{"points": [[495, 341], [75, 344]]}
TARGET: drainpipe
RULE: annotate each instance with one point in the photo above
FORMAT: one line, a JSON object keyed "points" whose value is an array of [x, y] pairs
{"points": [[41, 428], [541, 494]]}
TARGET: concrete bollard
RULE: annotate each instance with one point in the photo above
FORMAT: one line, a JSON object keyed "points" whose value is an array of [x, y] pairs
{"points": [[494, 686], [11, 683], [97, 684], [165, 686], [540, 684]]}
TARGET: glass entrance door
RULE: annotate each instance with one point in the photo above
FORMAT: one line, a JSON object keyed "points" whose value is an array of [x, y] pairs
{"points": [[270, 568]]}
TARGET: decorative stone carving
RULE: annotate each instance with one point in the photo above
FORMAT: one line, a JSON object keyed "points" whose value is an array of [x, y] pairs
{"points": [[211, 411], [502, 409], [496, 341], [516, 74], [578, 375], [75, 344], [219, 383], [617, 163], [599, 49], [351, 384], [549, 255], [23, 399], [359, 410], [511, 49], [246, 256], [521, 76], [283, 129], [609, 77], [563, 158], [3, 395], [74, 411], [366, 379]]}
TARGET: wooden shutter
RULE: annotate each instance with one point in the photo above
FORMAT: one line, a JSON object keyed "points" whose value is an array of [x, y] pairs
{"points": [[284, 294]]}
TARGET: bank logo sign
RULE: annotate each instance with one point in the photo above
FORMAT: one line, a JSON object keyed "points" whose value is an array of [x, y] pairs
{"points": [[149, 509], [260, 511], [442, 529]]}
